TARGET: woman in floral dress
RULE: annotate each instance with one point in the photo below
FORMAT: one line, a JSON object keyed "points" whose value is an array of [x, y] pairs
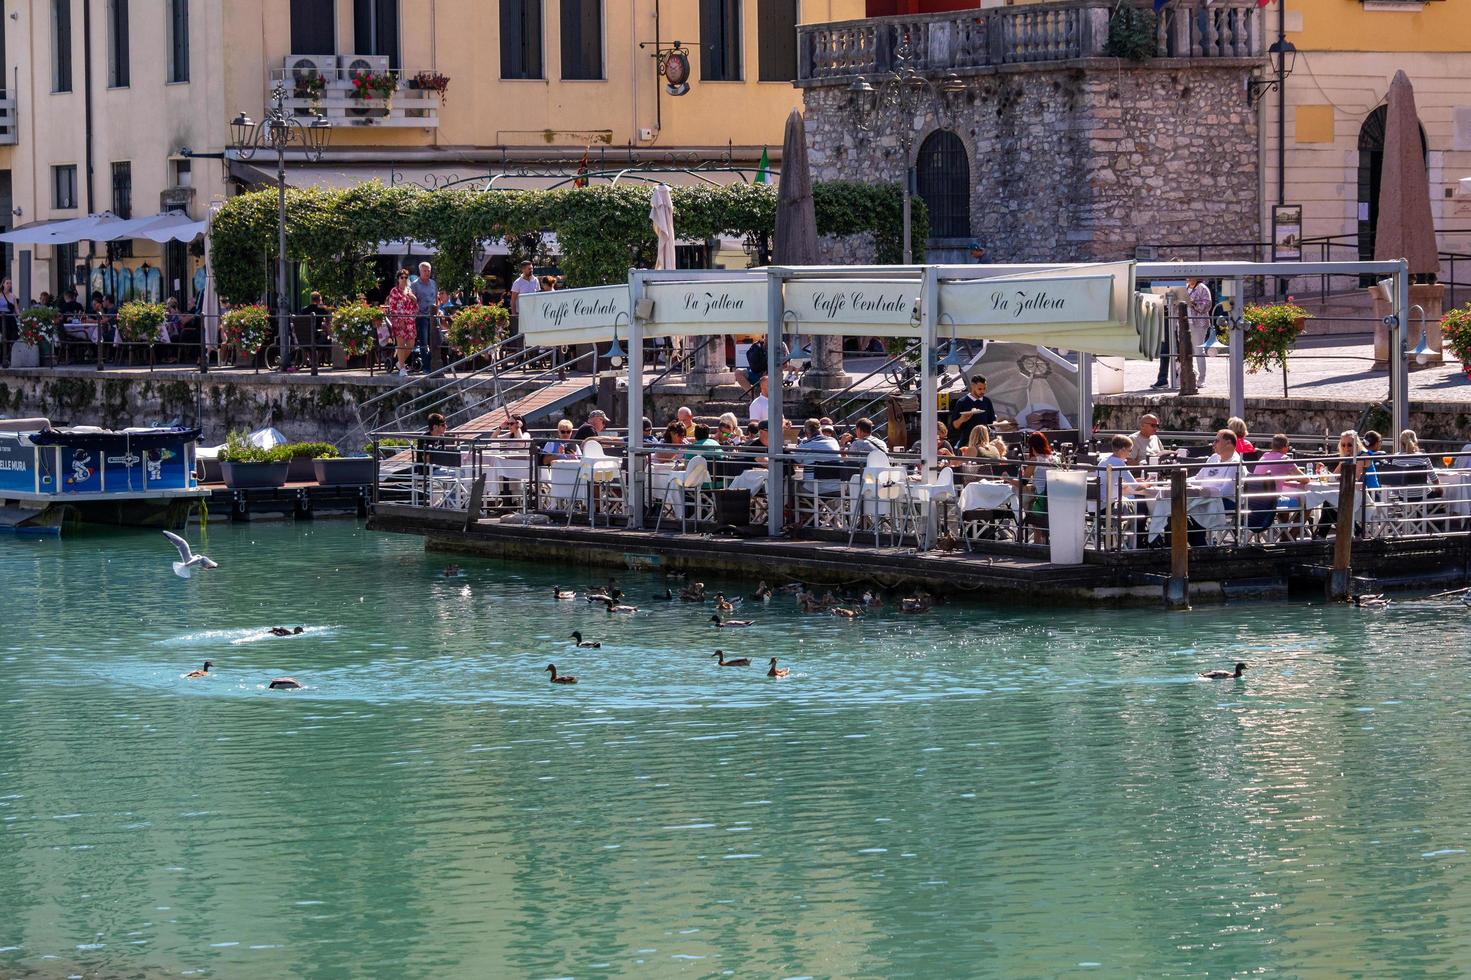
{"points": [[403, 307]]}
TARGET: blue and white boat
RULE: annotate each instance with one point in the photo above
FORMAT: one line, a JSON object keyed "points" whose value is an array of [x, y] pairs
{"points": [[82, 474]]}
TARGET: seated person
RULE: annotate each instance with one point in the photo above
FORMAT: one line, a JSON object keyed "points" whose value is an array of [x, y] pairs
{"points": [[515, 431], [815, 448], [861, 441], [729, 431], [1117, 486], [674, 435], [562, 447], [703, 445], [593, 429], [1218, 476]]}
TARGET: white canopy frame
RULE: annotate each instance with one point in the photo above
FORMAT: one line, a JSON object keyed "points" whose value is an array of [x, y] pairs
{"points": [[1130, 327]]}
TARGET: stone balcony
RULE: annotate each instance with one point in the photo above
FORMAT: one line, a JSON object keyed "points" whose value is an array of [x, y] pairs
{"points": [[9, 133], [978, 41], [337, 98]]}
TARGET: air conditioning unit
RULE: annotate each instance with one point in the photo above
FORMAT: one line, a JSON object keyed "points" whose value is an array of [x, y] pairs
{"points": [[300, 66], [353, 65]]}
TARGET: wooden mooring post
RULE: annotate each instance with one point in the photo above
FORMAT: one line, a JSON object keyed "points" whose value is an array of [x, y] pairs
{"points": [[1340, 577], [1177, 587]]}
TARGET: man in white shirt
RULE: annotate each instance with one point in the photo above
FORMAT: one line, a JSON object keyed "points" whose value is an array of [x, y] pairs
{"points": [[1218, 476], [524, 283], [758, 404], [1146, 441]]}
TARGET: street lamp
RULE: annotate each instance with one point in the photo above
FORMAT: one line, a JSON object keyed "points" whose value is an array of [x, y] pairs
{"points": [[279, 130], [902, 94]]}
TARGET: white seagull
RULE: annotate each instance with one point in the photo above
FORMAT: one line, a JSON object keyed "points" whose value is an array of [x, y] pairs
{"points": [[188, 559]]}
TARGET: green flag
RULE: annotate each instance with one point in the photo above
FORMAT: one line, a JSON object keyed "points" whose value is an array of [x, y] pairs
{"points": [[763, 168]]}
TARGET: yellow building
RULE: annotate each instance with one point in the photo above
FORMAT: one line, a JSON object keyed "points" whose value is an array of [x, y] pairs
{"points": [[531, 88], [1347, 53]]}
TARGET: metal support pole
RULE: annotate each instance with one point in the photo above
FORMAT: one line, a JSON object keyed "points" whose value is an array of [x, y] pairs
{"points": [[1399, 364], [1085, 399], [908, 189], [775, 484], [1238, 366], [283, 324], [929, 396], [635, 404]]}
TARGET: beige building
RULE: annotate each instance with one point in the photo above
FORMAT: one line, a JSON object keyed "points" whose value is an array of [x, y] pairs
{"points": [[125, 105], [1348, 52]]}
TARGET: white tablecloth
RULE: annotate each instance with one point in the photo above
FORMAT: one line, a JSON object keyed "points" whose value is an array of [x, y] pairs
{"points": [[1208, 511], [753, 480], [1456, 486], [504, 471], [988, 495]]}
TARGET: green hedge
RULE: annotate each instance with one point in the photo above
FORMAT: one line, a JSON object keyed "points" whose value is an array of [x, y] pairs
{"points": [[603, 230]]}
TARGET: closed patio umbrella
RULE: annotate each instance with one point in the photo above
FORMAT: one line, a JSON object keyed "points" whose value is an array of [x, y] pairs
{"points": [[661, 215], [795, 243], [1405, 229]]}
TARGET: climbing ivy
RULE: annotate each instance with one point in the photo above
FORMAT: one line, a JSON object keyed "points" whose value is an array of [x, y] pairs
{"points": [[603, 231]]}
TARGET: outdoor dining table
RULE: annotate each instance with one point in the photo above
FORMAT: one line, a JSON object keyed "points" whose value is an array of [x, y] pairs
{"points": [[502, 470], [1203, 504], [1455, 486]]}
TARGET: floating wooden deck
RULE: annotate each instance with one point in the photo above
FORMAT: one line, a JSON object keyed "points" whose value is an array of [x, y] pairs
{"points": [[1134, 577], [294, 500]]}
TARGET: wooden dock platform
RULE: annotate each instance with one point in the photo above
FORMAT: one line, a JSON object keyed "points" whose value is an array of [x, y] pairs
{"points": [[300, 501], [1136, 577]]}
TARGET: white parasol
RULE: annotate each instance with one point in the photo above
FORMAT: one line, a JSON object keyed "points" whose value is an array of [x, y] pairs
{"points": [[661, 213]]}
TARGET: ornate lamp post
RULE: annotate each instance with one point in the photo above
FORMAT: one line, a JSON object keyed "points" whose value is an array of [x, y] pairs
{"points": [[901, 95], [279, 130]]}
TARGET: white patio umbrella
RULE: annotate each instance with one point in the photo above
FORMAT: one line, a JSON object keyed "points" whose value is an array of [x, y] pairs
{"points": [[210, 308], [661, 213]]}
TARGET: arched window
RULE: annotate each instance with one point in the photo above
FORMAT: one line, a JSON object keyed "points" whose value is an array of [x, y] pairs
{"points": [[1371, 168], [943, 176]]}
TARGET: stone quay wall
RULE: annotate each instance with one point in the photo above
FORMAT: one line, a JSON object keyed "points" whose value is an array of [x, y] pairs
{"points": [[1080, 160]]}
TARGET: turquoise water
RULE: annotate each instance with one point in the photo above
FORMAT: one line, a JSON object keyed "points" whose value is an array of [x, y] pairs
{"points": [[985, 790]]}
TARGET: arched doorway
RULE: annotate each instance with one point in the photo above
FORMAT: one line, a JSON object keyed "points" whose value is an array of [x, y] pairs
{"points": [[942, 176], [1371, 168]]}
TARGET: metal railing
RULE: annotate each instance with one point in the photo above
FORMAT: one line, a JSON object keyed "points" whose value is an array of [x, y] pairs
{"points": [[331, 90], [971, 40]]}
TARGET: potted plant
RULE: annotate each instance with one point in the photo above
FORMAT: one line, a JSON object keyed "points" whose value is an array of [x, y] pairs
{"points": [[310, 85], [38, 325], [355, 329], [245, 466], [1456, 327], [337, 471], [1269, 335], [474, 328], [247, 328], [141, 323], [432, 81], [300, 455], [369, 85]]}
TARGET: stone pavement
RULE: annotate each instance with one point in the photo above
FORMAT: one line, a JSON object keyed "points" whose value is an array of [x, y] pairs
{"points": [[1320, 369]]}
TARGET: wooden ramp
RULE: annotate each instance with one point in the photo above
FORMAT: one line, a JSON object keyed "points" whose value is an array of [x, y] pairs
{"points": [[532, 406]]}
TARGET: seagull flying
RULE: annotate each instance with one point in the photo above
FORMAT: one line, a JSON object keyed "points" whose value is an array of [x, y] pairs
{"points": [[187, 558]]}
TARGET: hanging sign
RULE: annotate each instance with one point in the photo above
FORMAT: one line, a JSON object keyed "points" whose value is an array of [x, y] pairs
{"points": [[573, 316], [846, 306], [712, 306], [1028, 301]]}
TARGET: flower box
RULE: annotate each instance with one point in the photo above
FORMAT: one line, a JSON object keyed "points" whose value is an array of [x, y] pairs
{"points": [[252, 476], [345, 471]]}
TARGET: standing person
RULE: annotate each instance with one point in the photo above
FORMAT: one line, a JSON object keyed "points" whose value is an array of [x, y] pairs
{"points": [[402, 307], [757, 362], [1198, 310], [426, 291], [970, 410], [9, 311], [524, 283], [313, 321], [759, 403]]}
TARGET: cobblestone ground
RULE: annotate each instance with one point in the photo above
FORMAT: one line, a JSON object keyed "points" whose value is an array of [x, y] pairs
{"points": [[1336, 368]]}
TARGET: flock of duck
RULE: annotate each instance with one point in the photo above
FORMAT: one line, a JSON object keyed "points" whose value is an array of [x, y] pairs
{"points": [[845, 607]]}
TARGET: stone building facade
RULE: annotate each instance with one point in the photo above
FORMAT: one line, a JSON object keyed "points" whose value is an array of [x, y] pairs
{"points": [[1075, 159]]}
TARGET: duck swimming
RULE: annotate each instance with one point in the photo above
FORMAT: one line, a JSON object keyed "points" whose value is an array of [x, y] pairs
{"points": [[565, 595], [1223, 675], [730, 623], [873, 600], [737, 662], [560, 678], [1370, 601], [845, 613], [762, 593], [776, 671], [618, 607], [201, 672], [919, 603], [285, 684], [586, 644], [722, 604], [283, 631], [694, 593]]}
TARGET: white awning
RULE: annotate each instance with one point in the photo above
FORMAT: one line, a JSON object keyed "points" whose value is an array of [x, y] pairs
{"points": [[70, 231], [170, 226]]}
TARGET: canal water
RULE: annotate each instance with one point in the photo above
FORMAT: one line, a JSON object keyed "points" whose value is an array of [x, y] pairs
{"points": [[983, 790]]}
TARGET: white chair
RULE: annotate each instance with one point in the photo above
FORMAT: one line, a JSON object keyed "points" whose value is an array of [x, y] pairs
{"points": [[688, 485], [877, 460], [922, 499], [881, 490], [603, 475]]}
